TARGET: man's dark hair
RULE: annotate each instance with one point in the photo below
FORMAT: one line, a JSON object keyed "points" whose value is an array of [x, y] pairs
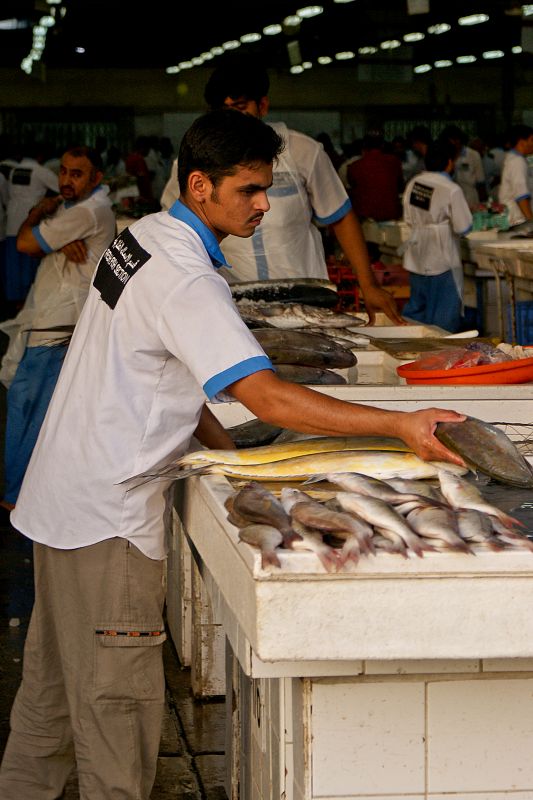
{"points": [[236, 77], [90, 153], [438, 155], [518, 132], [420, 133], [221, 140], [453, 133]]}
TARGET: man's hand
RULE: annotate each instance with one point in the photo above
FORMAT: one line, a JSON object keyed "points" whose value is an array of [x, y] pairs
{"points": [[417, 429], [378, 299], [75, 251]]}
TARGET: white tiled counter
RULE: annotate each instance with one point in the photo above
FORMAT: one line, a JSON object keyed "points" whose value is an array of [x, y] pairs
{"points": [[402, 679]]}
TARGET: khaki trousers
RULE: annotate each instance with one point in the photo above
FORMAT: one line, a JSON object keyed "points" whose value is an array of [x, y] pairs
{"points": [[92, 691]]}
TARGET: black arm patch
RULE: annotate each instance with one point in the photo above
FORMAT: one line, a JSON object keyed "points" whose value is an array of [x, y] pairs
{"points": [[21, 176], [117, 265], [421, 196]]}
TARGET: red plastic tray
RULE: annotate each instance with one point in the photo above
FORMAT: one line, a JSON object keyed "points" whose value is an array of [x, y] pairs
{"points": [[518, 371]]}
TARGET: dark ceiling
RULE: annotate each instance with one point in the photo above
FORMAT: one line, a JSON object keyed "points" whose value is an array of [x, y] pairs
{"points": [[162, 33]]}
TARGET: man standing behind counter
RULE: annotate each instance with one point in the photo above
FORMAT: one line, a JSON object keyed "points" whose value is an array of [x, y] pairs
{"points": [[70, 233], [158, 333], [306, 189], [516, 184]]}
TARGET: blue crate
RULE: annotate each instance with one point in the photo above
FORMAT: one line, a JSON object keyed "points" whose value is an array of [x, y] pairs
{"points": [[524, 321]]}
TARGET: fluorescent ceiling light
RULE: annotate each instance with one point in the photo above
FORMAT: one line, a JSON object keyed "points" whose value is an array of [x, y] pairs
{"points": [[466, 59], [186, 65], [367, 51], [47, 21], [172, 70], [344, 55], [197, 61], [390, 44], [324, 59], [527, 9], [422, 68], [516, 49], [217, 50], [40, 30], [207, 56], [79, 50], [272, 30], [233, 44], [473, 19], [343, 1], [297, 69], [493, 54], [416, 36], [309, 11], [440, 27], [12, 24], [248, 38], [443, 62], [307, 64], [292, 21]]}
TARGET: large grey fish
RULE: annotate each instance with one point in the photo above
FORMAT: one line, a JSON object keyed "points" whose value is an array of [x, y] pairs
{"points": [[254, 433], [257, 504], [389, 541], [266, 538], [301, 507], [311, 291], [298, 373], [434, 522], [295, 315], [379, 513], [301, 347], [344, 336], [461, 494], [486, 448]]}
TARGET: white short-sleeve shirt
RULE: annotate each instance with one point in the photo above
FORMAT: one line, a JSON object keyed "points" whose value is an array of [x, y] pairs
{"points": [[469, 173], [306, 190], [28, 183], [515, 185], [61, 286], [159, 333], [436, 210]]}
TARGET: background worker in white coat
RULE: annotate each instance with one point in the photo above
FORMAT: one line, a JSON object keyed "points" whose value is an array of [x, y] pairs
{"points": [[436, 210], [516, 186], [306, 189], [70, 233]]}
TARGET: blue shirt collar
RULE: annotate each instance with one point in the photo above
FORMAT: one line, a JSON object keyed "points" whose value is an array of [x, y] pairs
{"points": [[517, 153], [180, 211]]}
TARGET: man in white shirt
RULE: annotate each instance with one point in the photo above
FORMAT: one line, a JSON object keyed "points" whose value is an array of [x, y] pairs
{"points": [[516, 183], [159, 333], [29, 181], [70, 233], [307, 190], [437, 213], [468, 169]]}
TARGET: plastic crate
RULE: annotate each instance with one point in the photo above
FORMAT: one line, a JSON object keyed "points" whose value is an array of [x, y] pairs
{"points": [[524, 321]]}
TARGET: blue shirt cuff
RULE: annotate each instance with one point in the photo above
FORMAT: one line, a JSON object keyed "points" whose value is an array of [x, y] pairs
{"points": [[219, 382], [339, 214], [45, 247]]}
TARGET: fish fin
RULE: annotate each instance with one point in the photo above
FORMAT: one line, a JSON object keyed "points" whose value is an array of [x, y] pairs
{"points": [[350, 551], [167, 473], [290, 538], [314, 479], [329, 559]]}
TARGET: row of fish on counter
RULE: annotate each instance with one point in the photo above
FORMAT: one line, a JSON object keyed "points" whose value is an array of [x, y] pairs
{"points": [[381, 500], [366, 516]]}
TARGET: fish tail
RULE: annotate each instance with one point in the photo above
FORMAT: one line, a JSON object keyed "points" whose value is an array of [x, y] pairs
{"points": [[269, 559], [329, 559], [289, 538], [350, 551], [314, 479]]}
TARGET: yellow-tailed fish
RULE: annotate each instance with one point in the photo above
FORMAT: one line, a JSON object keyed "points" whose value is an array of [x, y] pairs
{"points": [[302, 447], [382, 465]]}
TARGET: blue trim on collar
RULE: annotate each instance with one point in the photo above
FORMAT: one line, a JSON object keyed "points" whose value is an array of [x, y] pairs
{"points": [[445, 174], [517, 153], [71, 203], [180, 211]]}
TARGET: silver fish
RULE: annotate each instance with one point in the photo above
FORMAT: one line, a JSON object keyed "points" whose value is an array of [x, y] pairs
{"points": [[389, 541], [366, 484], [316, 376], [461, 494], [379, 513], [257, 504], [416, 487], [433, 522], [313, 514], [477, 528], [295, 315], [312, 540], [266, 538]]}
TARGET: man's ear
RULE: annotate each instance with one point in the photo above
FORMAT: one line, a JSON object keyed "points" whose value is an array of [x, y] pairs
{"points": [[263, 106], [199, 185]]}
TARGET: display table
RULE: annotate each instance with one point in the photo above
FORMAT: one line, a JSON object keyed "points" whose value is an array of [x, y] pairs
{"points": [[402, 679]]}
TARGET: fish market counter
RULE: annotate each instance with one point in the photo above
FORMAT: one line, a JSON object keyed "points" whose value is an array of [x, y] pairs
{"points": [[403, 678]]}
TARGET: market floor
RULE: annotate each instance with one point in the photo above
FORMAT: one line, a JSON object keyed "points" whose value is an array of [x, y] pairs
{"points": [[191, 754]]}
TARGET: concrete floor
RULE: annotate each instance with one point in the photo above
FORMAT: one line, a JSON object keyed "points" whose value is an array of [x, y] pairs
{"points": [[191, 753]]}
